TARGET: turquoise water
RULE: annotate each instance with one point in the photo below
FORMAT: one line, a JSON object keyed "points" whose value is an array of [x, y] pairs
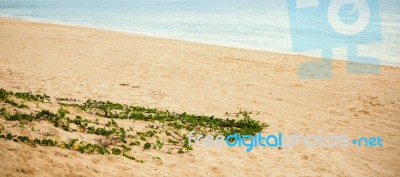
{"points": [[261, 24]]}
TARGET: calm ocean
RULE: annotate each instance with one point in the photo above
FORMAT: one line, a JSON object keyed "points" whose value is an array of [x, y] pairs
{"points": [[254, 24]]}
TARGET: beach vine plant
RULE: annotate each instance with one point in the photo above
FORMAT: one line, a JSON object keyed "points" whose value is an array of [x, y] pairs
{"points": [[164, 131]]}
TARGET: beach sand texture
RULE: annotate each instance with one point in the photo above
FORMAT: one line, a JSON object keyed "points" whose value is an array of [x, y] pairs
{"points": [[84, 63]]}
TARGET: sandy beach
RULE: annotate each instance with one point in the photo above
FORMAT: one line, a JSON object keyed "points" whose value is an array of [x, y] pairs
{"points": [[87, 63]]}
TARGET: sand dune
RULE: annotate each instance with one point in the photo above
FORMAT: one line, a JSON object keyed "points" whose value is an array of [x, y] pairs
{"points": [[84, 63]]}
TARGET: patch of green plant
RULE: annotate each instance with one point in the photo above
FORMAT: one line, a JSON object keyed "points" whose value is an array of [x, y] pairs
{"points": [[6, 97], [47, 142], [29, 96], [24, 139], [147, 145], [112, 123], [129, 157], [171, 123], [9, 136], [71, 144], [246, 125], [66, 99], [158, 144], [156, 158], [103, 150], [116, 151]]}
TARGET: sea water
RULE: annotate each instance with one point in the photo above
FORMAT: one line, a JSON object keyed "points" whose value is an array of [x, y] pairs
{"points": [[253, 24]]}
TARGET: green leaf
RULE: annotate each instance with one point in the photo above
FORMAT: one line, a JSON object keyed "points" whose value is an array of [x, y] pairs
{"points": [[147, 145], [9, 136], [116, 151], [82, 149]]}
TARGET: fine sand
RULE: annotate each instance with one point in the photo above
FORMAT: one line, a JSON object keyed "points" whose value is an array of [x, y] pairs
{"points": [[83, 63]]}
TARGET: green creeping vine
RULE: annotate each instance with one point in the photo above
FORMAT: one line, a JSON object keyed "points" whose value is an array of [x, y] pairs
{"points": [[179, 121], [25, 139], [60, 120], [74, 144], [5, 96], [27, 96], [164, 131]]}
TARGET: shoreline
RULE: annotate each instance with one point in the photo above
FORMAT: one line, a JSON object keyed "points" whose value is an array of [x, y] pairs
{"points": [[144, 34], [195, 41]]}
